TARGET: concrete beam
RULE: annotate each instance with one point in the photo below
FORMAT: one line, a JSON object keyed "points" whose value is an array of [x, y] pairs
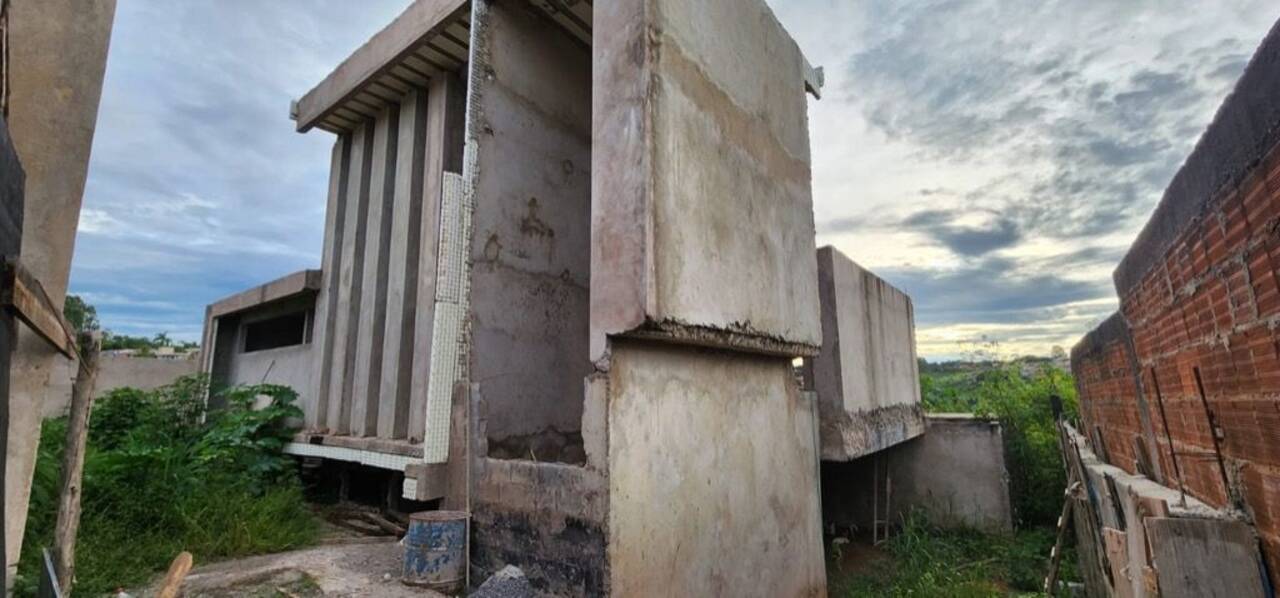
{"points": [[285, 287], [387, 48], [350, 276]]}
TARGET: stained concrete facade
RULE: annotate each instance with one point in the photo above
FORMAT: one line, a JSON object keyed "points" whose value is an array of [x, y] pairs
{"points": [[263, 335], [57, 58], [542, 277], [955, 473], [867, 375]]}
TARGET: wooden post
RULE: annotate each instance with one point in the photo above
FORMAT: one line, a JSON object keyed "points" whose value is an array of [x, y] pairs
{"points": [[64, 539]]}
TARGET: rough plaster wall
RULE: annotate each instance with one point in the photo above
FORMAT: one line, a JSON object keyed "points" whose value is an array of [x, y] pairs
{"points": [[57, 57], [546, 518], [116, 371], [955, 472], [703, 213], [713, 487], [11, 182], [287, 366], [866, 375], [531, 253]]}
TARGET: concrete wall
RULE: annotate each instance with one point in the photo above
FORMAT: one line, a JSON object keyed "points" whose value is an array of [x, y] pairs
{"points": [[11, 182], [866, 376], [531, 248], [955, 473], [712, 476], [290, 366], [57, 58], [116, 371], [375, 305], [1183, 383], [701, 201]]}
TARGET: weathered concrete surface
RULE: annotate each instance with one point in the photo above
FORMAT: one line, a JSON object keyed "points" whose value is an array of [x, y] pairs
{"points": [[713, 486], [955, 472], [530, 249], [57, 57], [1121, 505], [11, 204], [866, 375], [290, 366], [546, 518], [116, 371], [702, 213]]}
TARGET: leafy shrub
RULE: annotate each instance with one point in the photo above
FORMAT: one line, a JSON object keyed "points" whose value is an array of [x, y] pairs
{"points": [[163, 475]]}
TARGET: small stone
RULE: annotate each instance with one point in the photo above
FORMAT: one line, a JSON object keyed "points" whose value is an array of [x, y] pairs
{"points": [[510, 582]]}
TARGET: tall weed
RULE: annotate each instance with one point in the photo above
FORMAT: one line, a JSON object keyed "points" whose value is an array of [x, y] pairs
{"points": [[163, 475]]}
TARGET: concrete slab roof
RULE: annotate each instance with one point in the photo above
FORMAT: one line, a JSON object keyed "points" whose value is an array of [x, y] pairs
{"points": [[292, 285], [429, 37]]}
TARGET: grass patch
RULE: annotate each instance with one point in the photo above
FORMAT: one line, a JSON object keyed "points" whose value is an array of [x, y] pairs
{"points": [[925, 560], [162, 475]]}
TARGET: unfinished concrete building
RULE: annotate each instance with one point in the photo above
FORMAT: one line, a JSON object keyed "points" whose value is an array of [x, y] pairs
{"points": [[568, 262], [1179, 390]]}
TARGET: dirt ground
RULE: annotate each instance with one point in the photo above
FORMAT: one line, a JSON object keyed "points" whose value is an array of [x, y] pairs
{"points": [[353, 568]]}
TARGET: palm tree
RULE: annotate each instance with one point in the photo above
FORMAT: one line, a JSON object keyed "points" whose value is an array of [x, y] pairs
{"points": [[162, 340]]}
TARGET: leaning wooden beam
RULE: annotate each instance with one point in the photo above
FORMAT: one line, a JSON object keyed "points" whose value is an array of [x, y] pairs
{"points": [[68, 522], [24, 296]]}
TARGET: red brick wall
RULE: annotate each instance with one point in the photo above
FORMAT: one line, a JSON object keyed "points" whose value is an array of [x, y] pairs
{"points": [[1210, 306], [1198, 333]]}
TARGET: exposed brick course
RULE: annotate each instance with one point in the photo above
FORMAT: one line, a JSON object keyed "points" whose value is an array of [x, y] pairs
{"points": [[1200, 307]]}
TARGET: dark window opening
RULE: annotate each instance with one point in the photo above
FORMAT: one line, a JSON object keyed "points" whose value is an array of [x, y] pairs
{"points": [[280, 331]]}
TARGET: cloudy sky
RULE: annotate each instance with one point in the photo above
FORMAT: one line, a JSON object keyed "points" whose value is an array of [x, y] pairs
{"points": [[992, 158]]}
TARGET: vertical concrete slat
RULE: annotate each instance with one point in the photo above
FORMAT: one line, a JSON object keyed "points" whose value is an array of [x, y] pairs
{"points": [[350, 278], [317, 405], [367, 376], [402, 281], [445, 113]]}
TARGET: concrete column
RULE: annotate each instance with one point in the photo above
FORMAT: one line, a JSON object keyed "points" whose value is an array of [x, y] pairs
{"points": [[402, 277], [317, 405], [367, 377], [445, 111], [350, 274], [57, 58]]}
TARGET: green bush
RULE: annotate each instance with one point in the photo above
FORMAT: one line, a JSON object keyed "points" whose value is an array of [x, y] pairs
{"points": [[163, 475]]}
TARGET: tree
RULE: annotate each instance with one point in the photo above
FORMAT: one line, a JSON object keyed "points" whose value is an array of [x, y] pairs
{"points": [[82, 316], [162, 340]]}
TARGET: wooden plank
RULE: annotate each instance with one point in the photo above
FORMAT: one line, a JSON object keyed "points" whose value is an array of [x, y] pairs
{"points": [[386, 48], [445, 113], [367, 381], [1205, 558], [68, 520], [402, 285], [1118, 558], [24, 296], [350, 279], [317, 407]]}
